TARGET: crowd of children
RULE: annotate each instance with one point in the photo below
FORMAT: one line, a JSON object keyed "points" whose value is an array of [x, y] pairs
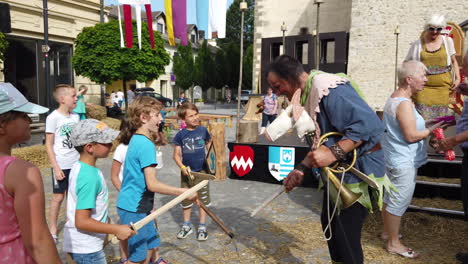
{"points": [[74, 144]]}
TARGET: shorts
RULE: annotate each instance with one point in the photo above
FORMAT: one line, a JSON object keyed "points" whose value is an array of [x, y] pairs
{"points": [[404, 179], [60, 186], [96, 258], [146, 239], [203, 193]]}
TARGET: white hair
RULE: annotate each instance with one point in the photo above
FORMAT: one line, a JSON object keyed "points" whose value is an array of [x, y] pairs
{"points": [[409, 68], [435, 20]]}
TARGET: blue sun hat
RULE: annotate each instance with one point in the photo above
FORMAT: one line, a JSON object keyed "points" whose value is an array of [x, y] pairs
{"points": [[12, 100]]}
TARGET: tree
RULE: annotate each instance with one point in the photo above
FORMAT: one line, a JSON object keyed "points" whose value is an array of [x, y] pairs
{"points": [[3, 46], [99, 57], [247, 69], [204, 67], [233, 21], [183, 66]]}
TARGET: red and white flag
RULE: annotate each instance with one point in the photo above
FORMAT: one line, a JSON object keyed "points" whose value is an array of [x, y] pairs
{"points": [[127, 13]]}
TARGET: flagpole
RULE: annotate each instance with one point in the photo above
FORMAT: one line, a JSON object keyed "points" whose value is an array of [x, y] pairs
{"points": [[243, 7]]}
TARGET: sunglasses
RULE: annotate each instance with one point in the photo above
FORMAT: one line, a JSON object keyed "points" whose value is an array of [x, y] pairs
{"points": [[435, 29]]}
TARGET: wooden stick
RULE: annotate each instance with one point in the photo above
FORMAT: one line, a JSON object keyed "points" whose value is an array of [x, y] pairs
{"points": [[164, 208], [277, 193], [216, 220]]}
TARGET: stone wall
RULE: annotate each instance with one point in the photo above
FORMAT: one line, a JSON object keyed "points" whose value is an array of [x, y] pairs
{"points": [[270, 14], [372, 43]]}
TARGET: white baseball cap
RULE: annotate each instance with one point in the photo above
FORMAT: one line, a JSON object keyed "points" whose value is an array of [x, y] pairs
{"points": [[12, 100]]}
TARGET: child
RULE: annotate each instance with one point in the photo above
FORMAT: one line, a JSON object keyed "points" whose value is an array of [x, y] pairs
{"points": [[117, 172], [87, 202], [80, 108], [60, 150], [139, 184], [24, 235], [189, 151]]}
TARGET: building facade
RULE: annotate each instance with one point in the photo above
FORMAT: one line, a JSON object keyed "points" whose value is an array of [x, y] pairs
{"points": [[356, 37], [24, 64]]}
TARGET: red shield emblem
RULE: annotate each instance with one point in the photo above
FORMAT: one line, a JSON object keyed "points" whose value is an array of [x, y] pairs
{"points": [[241, 159]]}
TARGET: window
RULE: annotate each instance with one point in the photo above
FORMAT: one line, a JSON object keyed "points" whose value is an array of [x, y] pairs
{"points": [[327, 51], [302, 52], [160, 28], [192, 38]]}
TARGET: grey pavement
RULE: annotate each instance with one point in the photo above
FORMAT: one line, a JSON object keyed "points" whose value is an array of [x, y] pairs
{"points": [[265, 238]]}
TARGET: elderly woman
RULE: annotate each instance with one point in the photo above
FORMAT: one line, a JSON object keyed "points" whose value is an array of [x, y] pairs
{"points": [[334, 105], [270, 109], [437, 52], [405, 151]]}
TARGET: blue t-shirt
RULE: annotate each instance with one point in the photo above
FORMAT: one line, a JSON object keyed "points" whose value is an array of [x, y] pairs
{"points": [[193, 143], [134, 196]]}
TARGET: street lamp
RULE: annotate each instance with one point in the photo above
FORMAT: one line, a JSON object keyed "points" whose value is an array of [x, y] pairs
{"points": [[396, 32], [317, 36], [243, 8], [284, 28]]}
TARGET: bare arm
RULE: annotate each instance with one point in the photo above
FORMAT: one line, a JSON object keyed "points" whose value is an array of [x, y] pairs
{"points": [[115, 171], [407, 121], [23, 180], [84, 222], [456, 69], [58, 173], [154, 185]]}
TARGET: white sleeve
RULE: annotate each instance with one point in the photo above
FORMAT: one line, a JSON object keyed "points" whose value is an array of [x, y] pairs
{"points": [[119, 153], [450, 47], [51, 123]]}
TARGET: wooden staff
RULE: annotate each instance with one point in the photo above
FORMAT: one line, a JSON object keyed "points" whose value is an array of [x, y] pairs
{"points": [[164, 208], [216, 220]]}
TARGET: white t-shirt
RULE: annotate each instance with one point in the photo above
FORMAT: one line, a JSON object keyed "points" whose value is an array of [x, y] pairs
{"points": [[87, 189], [119, 155], [61, 126], [120, 95]]}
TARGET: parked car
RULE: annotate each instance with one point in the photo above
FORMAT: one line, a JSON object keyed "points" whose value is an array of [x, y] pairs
{"points": [[148, 91], [245, 94]]}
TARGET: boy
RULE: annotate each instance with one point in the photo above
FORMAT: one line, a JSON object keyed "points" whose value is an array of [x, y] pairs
{"points": [[139, 184], [60, 150], [87, 202], [189, 151]]}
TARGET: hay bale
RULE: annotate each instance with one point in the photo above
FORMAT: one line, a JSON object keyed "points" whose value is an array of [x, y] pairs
{"points": [[96, 112], [112, 122], [36, 154]]}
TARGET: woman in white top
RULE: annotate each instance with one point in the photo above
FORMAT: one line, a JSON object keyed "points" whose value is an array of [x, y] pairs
{"points": [[404, 147]]}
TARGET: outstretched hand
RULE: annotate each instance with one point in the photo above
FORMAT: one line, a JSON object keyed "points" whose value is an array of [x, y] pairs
{"points": [[295, 178]]}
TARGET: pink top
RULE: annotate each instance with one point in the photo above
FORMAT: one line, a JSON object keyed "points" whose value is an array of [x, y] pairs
{"points": [[12, 249]]}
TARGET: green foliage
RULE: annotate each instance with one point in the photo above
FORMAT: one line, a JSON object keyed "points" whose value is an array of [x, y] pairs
{"points": [[233, 23], [183, 66], [3, 46], [99, 57], [247, 69], [204, 67]]}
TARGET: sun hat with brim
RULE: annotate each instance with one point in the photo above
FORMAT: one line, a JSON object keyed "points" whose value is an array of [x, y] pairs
{"points": [[12, 100]]}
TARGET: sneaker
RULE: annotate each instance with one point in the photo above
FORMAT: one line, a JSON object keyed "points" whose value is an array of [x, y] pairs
{"points": [[56, 241], [202, 234], [185, 231]]}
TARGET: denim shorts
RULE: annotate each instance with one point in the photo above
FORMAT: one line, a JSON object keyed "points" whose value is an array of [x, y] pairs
{"points": [[404, 179], [146, 239], [89, 258]]}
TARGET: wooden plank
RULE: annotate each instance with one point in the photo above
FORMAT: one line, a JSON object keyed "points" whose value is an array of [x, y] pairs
{"points": [[217, 132]]}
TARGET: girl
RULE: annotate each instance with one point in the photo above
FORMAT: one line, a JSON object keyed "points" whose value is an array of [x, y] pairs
{"points": [[80, 108], [24, 235]]}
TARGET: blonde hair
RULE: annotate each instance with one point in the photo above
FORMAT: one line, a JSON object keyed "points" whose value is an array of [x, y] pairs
{"points": [[61, 90], [141, 105], [409, 68], [83, 87], [435, 20]]}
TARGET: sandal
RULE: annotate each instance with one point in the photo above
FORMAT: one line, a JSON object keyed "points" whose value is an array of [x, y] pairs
{"points": [[123, 261], [409, 253], [161, 261]]}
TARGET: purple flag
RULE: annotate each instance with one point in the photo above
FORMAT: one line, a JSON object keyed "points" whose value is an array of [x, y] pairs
{"points": [[179, 20]]}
